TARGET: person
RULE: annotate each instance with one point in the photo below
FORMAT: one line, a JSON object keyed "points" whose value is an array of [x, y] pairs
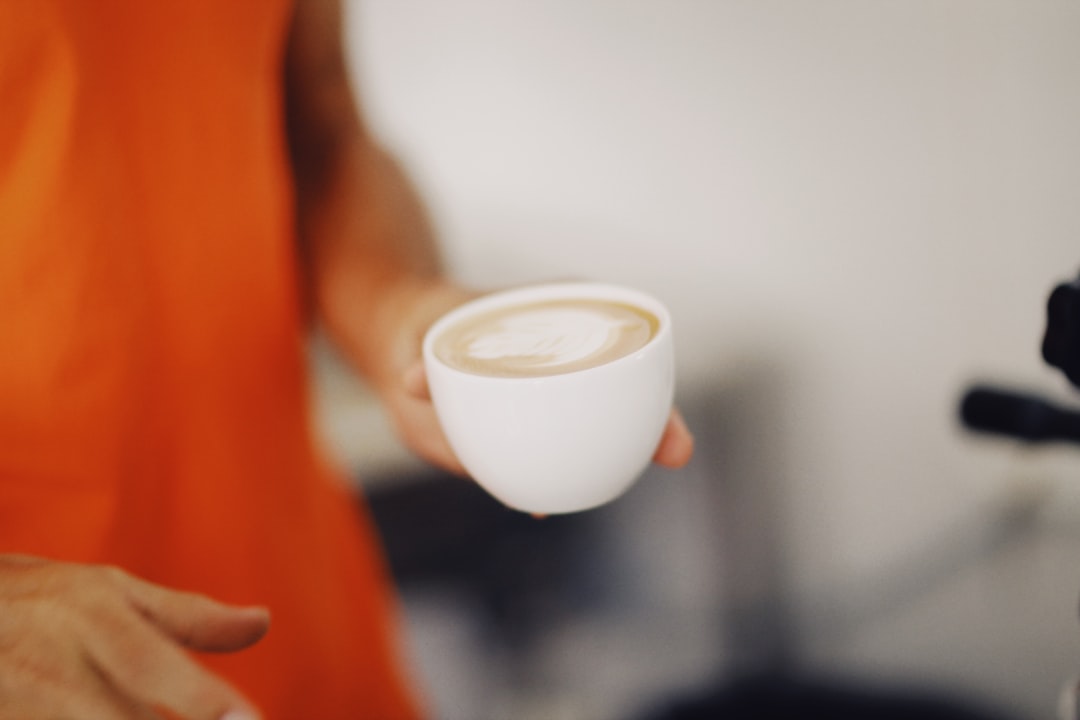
{"points": [[186, 189]]}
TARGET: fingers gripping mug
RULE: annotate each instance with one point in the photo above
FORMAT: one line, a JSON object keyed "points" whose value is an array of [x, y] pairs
{"points": [[554, 397]]}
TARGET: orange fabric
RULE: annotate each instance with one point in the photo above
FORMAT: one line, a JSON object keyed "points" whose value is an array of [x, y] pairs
{"points": [[153, 407]]}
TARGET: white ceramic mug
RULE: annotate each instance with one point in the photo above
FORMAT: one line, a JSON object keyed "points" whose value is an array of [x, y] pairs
{"points": [[563, 442]]}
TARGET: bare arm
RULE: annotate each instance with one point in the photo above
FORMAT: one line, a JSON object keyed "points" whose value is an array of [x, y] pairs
{"points": [[365, 238], [372, 268]]}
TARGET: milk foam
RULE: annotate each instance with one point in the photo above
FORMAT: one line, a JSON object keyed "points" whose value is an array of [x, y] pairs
{"points": [[549, 337], [545, 338]]}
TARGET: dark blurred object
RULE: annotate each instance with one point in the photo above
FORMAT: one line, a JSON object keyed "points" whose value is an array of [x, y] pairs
{"points": [[1061, 342], [780, 697], [1018, 415], [1027, 417], [440, 531]]}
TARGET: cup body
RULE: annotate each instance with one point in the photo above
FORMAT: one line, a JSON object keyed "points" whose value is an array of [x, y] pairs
{"points": [[557, 443]]}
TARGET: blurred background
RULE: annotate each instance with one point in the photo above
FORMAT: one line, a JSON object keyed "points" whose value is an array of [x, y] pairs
{"points": [[855, 209]]}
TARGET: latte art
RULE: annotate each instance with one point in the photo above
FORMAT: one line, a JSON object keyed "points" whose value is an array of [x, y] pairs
{"points": [[545, 338]]}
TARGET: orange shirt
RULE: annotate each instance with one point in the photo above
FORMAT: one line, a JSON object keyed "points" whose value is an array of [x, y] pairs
{"points": [[153, 406]]}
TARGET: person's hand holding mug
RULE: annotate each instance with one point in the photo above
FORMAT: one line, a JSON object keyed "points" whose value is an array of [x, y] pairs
{"points": [[555, 397]]}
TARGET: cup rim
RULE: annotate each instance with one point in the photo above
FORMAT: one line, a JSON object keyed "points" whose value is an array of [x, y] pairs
{"points": [[549, 291]]}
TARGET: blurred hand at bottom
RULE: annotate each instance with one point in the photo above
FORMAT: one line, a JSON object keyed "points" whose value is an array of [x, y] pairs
{"points": [[93, 642]]}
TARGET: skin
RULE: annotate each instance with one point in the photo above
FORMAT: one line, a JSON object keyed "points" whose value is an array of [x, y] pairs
{"points": [[85, 641], [93, 642]]}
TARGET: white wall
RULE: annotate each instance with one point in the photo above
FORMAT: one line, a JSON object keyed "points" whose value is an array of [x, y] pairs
{"points": [[874, 197]]}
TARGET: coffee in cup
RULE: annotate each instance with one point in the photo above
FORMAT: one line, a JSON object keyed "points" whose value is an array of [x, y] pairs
{"points": [[547, 337], [554, 397]]}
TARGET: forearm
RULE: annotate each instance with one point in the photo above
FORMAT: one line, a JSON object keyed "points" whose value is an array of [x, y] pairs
{"points": [[367, 247], [368, 253]]}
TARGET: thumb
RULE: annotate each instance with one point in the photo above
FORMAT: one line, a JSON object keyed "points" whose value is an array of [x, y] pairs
{"points": [[197, 621]]}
